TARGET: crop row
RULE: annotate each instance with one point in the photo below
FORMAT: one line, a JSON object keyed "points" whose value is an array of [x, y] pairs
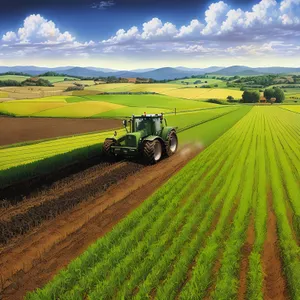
{"points": [[186, 240], [152, 239]]}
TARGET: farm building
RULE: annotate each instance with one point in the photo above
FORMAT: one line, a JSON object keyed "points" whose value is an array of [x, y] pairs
{"points": [[131, 80], [262, 99]]}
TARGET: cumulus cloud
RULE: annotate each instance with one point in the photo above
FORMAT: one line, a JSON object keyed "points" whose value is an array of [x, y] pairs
{"points": [[220, 30], [38, 29], [193, 29], [214, 16], [9, 36]]}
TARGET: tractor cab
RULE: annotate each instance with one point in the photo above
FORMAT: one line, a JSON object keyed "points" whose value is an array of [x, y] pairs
{"points": [[147, 135], [149, 124]]}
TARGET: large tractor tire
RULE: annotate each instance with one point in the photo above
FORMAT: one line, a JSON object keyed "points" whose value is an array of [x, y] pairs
{"points": [[107, 147], [171, 143], [152, 151]]}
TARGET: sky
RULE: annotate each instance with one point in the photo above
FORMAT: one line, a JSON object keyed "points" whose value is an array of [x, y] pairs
{"points": [[133, 34]]}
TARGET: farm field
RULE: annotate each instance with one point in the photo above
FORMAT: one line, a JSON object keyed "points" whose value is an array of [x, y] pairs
{"points": [[236, 201], [31, 129], [293, 108], [99, 106], [204, 81], [170, 89], [204, 93], [13, 77], [79, 193], [16, 156], [54, 79]]}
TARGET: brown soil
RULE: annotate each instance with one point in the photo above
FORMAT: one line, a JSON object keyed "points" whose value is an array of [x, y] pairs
{"points": [[275, 286], [16, 130], [29, 261], [246, 251]]}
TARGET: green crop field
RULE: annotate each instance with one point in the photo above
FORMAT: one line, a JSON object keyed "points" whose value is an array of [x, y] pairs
{"points": [[99, 106], [54, 79], [12, 158], [21, 155], [159, 101], [223, 227], [13, 77]]}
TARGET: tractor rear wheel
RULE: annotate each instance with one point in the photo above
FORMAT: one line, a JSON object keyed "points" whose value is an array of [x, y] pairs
{"points": [[107, 147], [152, 151], [171, 143]]}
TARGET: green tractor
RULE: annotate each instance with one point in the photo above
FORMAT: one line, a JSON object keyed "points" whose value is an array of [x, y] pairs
{"points": [[148, 136]]}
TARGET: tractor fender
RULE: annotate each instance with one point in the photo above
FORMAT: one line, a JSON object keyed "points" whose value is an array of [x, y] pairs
{"points": [[152, 138], [166, 131]]}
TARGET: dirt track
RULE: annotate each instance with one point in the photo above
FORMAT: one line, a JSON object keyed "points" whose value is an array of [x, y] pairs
{"points": [[30, 260], [16, 130]]}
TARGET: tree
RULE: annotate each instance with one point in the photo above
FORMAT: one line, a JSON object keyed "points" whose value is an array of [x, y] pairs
{"points": [[250, 96], [279, 95], [269, 93], [275, 92], [230, 98]]}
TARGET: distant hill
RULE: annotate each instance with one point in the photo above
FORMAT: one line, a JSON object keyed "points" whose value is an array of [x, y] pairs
{"points": [[157, 74], [247, 71]]}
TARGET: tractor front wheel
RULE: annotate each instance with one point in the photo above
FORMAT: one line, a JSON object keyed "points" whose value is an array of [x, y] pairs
{"points": [[152, 151], [107, 147], [171, 143]]}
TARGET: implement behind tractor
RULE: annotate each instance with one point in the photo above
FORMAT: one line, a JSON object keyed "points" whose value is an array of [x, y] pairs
{"points": [[148, 136]]}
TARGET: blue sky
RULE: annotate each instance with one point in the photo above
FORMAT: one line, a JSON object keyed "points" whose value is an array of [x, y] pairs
{"points": [[140, 34]]}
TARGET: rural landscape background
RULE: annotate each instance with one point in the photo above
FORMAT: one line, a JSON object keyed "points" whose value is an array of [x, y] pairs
{"points": [[219, 219]]}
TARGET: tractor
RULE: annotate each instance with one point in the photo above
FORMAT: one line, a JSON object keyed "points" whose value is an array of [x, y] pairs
{"points": [[148, 136]]}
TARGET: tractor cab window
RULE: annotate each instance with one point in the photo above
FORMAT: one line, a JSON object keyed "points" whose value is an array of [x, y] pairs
{"points": [[157, 125], [140, 124]]}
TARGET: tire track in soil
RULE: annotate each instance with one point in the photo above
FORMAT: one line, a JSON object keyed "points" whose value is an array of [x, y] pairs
{"points": [[31, 260], [275, 286], [34, 216], [55, 190]]}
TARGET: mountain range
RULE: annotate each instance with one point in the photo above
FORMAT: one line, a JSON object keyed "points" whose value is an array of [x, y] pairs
{"points": [[157, 74]]}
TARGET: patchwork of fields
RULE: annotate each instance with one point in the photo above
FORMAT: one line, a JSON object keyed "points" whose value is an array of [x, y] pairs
{"points": [[99, 106], [226, 226], [171, 89]]}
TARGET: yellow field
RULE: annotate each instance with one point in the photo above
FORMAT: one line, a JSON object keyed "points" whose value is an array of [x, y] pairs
{"points": [[78, 109], [3, 94], [197, 93], [23, 108], [131, 87], [25, 92], [294, 108], [175, 90]]}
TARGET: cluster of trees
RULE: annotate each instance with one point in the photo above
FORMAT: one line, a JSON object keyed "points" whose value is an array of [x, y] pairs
{"points": [[27, 82], [16, 73], [274, 93], [263, 80], [253, 96]]}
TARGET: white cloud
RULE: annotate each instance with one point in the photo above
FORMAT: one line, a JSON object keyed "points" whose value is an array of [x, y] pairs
{"points": [[123, 36], [193, 29], [214, 16], [38, 29], [10, 36], [267, 27], [156, 29]]}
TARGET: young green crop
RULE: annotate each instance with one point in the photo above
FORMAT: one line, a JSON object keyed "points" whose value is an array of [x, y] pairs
{"points": [[185, 241]]}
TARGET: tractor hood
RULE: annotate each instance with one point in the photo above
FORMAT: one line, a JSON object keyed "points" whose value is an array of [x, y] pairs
{"points": [[131, 139]]}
